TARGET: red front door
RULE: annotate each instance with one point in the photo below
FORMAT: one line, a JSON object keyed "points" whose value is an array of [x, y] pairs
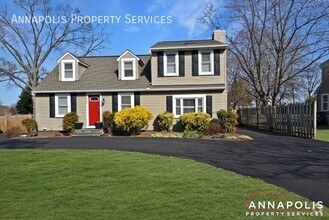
{"points": [[94, 112]]}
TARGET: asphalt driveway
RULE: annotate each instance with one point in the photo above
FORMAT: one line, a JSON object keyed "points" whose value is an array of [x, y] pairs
{"points": [[299, 165]]}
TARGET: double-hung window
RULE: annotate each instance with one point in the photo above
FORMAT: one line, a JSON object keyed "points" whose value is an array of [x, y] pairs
{"points": [[126, 100], [325, 102], [188, 103], [206, 63], [171, 64], [68, 70], [128, 69], [62, 104]]}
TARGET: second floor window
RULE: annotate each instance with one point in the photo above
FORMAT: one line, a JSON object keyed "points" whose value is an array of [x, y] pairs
{"points": [[128, 69], [171, 64], [206, 63], [68, 72]]}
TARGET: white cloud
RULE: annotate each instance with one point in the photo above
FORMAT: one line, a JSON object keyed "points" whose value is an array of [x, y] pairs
{"points": [[156, 5], [186, 14], [131, 29]]}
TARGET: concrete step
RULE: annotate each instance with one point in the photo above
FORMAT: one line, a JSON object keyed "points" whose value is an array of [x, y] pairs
{"points": [[87, 132]]}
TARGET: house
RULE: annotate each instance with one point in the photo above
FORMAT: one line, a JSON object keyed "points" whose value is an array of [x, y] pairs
{"points": [[177, 76], [323, 93]]}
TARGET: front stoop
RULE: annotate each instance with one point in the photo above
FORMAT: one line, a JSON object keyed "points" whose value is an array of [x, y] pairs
{"points": [[87, 132]]}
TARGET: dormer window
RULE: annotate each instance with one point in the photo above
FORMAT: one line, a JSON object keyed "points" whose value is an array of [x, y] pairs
{"points": [[68, 70], [171, 64], [206, 63], [128, 69]]}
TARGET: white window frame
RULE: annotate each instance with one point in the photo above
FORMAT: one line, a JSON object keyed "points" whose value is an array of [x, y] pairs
{"points": [[123, 77], [165, 64], [132, 98], [63, 62], [68, 96], [322, 102], [212, 66], [198, 96]]}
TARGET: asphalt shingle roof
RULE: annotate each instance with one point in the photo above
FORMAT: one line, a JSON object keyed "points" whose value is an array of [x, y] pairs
{"points": [[102, 74], [187, 43]]}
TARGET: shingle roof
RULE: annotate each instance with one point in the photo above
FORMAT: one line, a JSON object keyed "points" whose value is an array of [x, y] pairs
{"points": [[187, 44], [100, 75]]}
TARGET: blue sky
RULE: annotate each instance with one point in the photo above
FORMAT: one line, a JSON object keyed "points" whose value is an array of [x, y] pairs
{"points": [[136, 37]]}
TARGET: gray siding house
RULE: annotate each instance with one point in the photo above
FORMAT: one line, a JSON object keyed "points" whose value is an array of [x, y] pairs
{"points": [[323, 91], [177, 76]]}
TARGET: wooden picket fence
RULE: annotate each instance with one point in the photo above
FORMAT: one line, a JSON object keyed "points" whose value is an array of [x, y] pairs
{"points": [[10, 121], [293, 119]]}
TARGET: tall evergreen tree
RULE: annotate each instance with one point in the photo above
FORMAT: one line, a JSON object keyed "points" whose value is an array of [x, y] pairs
{"points": [[24, 104]]}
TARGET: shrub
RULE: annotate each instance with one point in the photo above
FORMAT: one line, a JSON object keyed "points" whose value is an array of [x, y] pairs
{"points": [[228, 120], [69, 121], [192, 134], [31, 125], [194, 121], [132, 120], [213, 128], [12, 132], [108, 119], [165, 121]]}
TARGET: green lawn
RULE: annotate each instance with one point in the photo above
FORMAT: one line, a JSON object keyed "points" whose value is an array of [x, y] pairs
{"points": [[73, 184], [322, 134]]}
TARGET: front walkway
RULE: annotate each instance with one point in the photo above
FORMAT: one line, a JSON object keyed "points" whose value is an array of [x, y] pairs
{"points": [[299, 165]]}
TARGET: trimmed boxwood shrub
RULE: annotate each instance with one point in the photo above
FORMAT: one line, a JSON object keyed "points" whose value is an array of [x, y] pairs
{"points": [[165, 121], [69, 121], [132, 120], [31, 125], [194, 121], [228, 120]]}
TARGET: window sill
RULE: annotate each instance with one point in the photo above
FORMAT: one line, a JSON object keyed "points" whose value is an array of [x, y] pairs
{"points": [[206, 74]]}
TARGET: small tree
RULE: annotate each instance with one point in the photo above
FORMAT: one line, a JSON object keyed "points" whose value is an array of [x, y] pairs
{"points": [[24, 104]]}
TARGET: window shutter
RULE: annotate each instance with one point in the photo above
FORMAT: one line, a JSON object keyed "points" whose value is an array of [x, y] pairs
{"points": [[217, 62], [137, 98], [195, 65], [160, 64], [169, 103], [209, 105], [73, 102], [181, 55], [52, 105], [115, 102]]}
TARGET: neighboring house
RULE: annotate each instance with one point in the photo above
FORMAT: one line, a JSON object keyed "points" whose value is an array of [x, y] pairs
{"points": [[323, 91], [177, 76]]}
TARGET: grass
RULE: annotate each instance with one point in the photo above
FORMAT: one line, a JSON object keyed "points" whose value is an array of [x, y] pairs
{"points": [[72, 184], [322, 134]]}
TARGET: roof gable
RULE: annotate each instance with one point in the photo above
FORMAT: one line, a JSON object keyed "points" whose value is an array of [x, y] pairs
{"points": [[74, 57], [128, 52]]}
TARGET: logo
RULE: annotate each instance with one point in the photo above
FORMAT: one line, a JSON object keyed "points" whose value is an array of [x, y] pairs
{"points": [[279, 203]]}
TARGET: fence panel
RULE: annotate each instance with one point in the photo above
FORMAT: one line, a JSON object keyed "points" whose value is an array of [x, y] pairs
{"points": [[9, 121], [293, 119]]}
